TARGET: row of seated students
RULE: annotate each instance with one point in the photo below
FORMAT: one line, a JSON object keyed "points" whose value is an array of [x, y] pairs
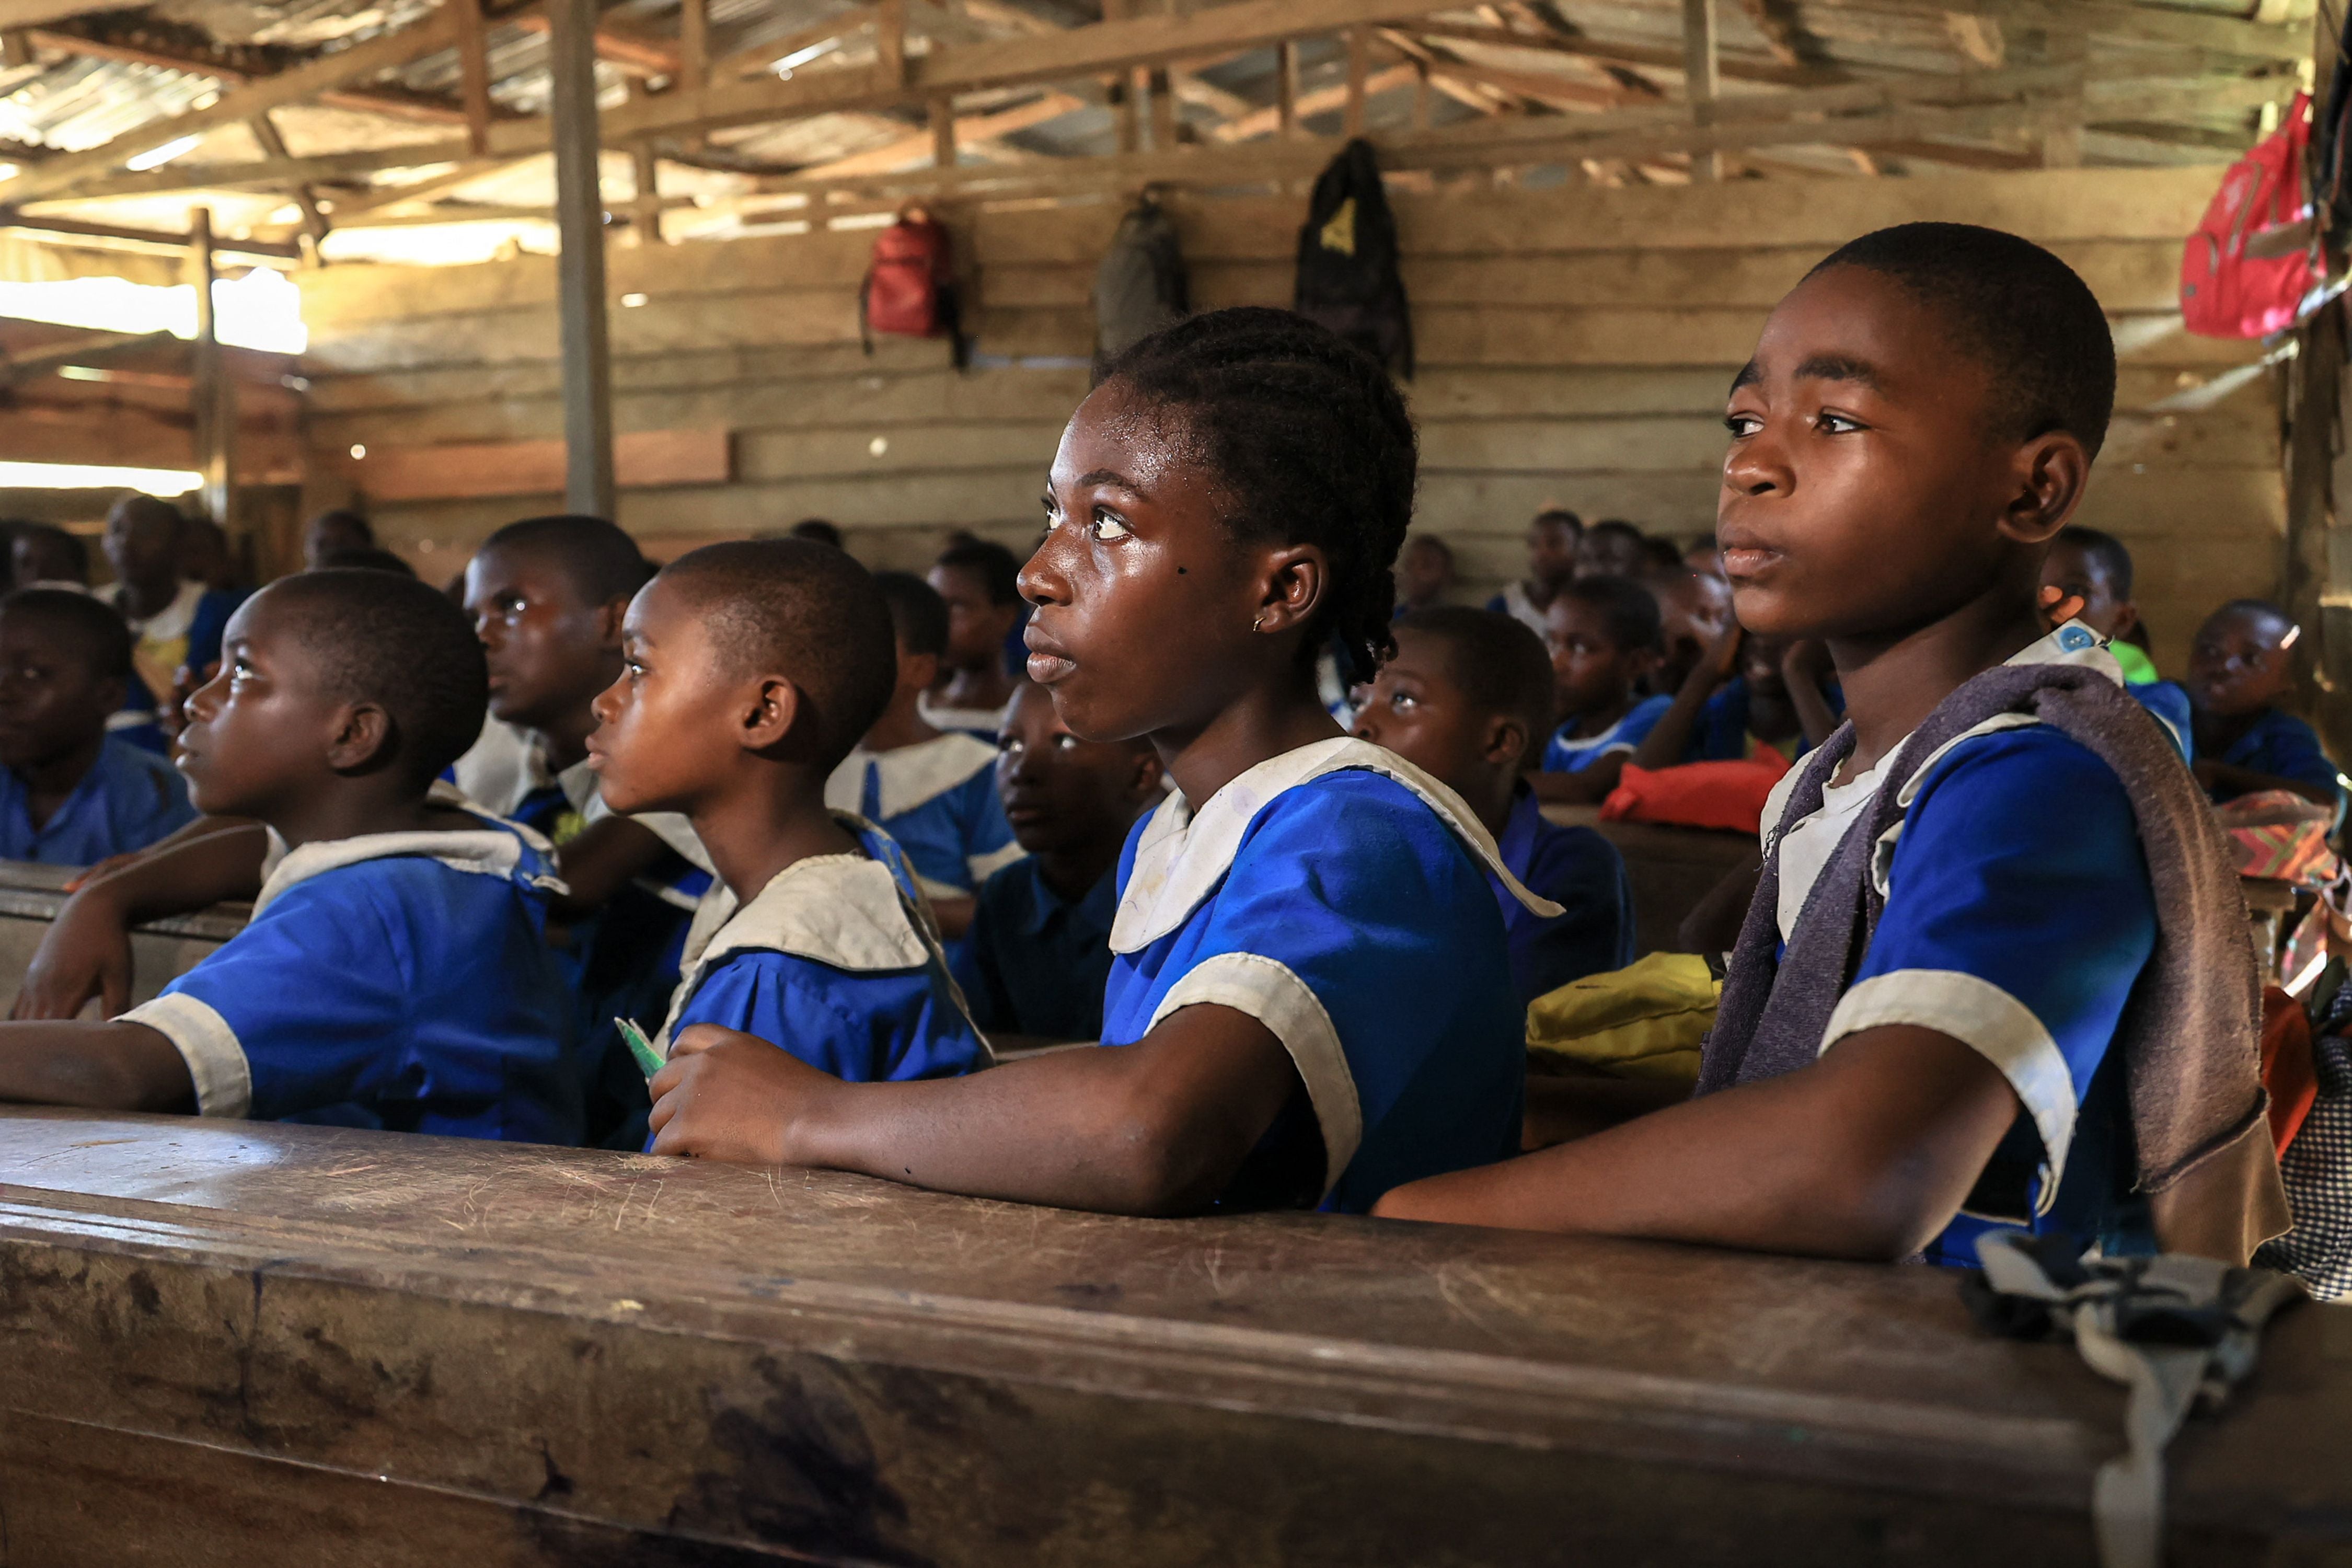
{"points": [[2003, 1016]]}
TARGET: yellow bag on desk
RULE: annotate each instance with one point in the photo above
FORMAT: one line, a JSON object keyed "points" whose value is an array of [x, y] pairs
{"points": [[1644, 1021]]}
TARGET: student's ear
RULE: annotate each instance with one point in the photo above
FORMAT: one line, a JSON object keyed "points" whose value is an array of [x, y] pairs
{"points": [[775, 708], [2126, 617], [1143, 783], [113, 693], [1292, 586], [610, 615], [920, 671], [1505, 743], [363, 738], [2050, 475]]}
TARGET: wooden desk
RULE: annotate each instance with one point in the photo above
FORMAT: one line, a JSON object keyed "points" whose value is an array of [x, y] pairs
{"points": [[1671, 868], [160, 950], [241, 1343]]}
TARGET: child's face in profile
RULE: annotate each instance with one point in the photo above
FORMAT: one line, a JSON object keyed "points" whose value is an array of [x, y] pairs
{"points": [[1060, 792], [51, 700], [1417, 712], [665, 728], [2241, 663], [976, 627], [1589, 669], [258, 732], [1864, 493], [1136, 564], [2076, 573], [1424, 573], [548, 649]]}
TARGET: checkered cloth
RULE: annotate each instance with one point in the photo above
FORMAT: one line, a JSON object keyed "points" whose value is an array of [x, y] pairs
{"points": [[2318, 1169]]}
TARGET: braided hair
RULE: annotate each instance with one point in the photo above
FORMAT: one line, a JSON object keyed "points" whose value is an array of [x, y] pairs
{"points": [[1310, 443]]}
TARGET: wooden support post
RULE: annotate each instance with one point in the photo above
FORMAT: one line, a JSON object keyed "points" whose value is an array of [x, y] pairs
{"points": [[16, 48], [693, 45], [212, 394], [943, 133], [1285, 88], [1420, 95], [474, 73], [890, 39], [1360, 69], [644, 212], [273, 145], [1703, 71], [580, 261], [1163, 111]]}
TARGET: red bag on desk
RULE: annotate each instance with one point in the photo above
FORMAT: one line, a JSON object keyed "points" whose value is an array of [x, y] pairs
{"points": [[2249, 266], [1697, 795]]}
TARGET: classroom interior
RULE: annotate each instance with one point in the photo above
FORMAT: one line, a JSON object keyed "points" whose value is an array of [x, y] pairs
{"points": [[453, 265]]}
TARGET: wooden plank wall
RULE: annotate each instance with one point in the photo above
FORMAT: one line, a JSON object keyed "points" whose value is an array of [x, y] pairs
{"points": [[1575, 347]]}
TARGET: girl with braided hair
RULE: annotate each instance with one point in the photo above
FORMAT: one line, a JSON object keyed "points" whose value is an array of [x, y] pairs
{"points": [[1309, 982]]}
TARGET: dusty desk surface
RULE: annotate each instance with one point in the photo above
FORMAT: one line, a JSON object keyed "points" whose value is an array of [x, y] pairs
{"points": [[235, 1343], [161, 950]]}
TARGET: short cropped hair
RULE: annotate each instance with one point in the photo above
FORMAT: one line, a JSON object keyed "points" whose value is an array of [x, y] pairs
{"points": [[365, 558], [2261, 607], [1617, 528], [2017, 309], [94, 629], [1496, 660], [603, 563], [918, 614], [1664, 554], [817, 530], [75, 547], [354, 523], [374, 637], [1561, 517], [1427, 544], [2114, 561], [805, 610], [1627, 608], [998, 569]]}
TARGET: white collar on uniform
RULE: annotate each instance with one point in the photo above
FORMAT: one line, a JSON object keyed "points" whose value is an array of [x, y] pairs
{"points": [[940, 716], [1183, 852], [507, 763], [494, 849], [173, 620], [911, 775]]}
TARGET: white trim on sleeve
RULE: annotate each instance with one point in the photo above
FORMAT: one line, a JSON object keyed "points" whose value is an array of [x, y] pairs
{"points": [[1272, 993], [216, 1058], [1996, 1024]]}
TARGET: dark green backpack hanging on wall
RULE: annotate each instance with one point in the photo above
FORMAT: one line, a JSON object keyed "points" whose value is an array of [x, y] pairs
{"points": [[1141, 285], [1348, 276]]}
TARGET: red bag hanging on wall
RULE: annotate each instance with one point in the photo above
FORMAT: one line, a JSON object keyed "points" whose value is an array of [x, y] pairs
{"points": [[910, 286], [2251, 264]]}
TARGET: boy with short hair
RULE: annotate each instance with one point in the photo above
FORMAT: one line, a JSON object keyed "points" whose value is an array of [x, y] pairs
{"points": [[2095, 568], [1551, 561], [1612, 548], [1039, 952], [1747, 696], [176, 623], [1467, 699], [933, 791], [979, 584], [1603, 633], [1424, 574], [2240, 665], [395, 973], [2050, 1021], [70, 794], [43, 555], [751, 669], [337, 528], [1694, 612]]}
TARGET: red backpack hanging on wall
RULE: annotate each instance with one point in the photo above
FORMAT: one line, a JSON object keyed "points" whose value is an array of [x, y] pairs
{"points": [[2252, 262], [909, 288]]}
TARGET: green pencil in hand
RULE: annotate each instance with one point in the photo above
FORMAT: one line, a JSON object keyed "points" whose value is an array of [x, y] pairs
{"points": [[640, 1046]]}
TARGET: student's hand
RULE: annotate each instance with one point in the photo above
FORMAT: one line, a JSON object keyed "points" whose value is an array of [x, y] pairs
{"points": [[86, 954], [1722, 660], [2059, 606], [731, 1096]]}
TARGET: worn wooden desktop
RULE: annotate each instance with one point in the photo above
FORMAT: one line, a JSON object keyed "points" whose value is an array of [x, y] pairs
{"points": [[30, 896], [238, 1343]]}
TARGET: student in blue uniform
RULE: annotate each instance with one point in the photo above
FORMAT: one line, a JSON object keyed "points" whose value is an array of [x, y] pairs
{"points": [[1603, 633], [1748, 695], [1552, 539], [2092, 574], [750, 670], [1466, 698], [70, 794], [2239, 667], [978, 581], [1918, 422], [1039, 955], [932, 791], [175, 624], [394, 975], [1309, 999]]}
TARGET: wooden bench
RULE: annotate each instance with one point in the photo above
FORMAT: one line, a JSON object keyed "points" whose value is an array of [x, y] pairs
{"points": [[249, 1343], [30, 896], [1671, 868]]}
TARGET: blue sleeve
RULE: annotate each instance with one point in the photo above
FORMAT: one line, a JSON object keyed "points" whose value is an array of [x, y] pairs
{"points": [[1721, 733], [317, 993], [862, 1028], [1582, 872], [2169, 702], [2290, 749], [205, 628], [2012, 926]]}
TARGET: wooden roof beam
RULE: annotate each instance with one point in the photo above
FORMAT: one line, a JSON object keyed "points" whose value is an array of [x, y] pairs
{"points": [[396, 103]]}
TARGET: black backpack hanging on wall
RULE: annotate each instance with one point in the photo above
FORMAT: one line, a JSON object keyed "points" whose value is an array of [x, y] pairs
{"points": [[1141, 285], [1348, 276]]}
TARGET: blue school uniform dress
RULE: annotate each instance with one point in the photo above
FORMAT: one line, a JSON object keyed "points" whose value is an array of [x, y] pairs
{"points": [[1337, 895], [130, 798], [835, 961], [937, 800], [1569, 753], [1721, 733], [1580, 871], [2168, 700], [623, 960], [399, 980], [1036, 963], [2283, 744], [1514, 602], [2019, 915]]}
